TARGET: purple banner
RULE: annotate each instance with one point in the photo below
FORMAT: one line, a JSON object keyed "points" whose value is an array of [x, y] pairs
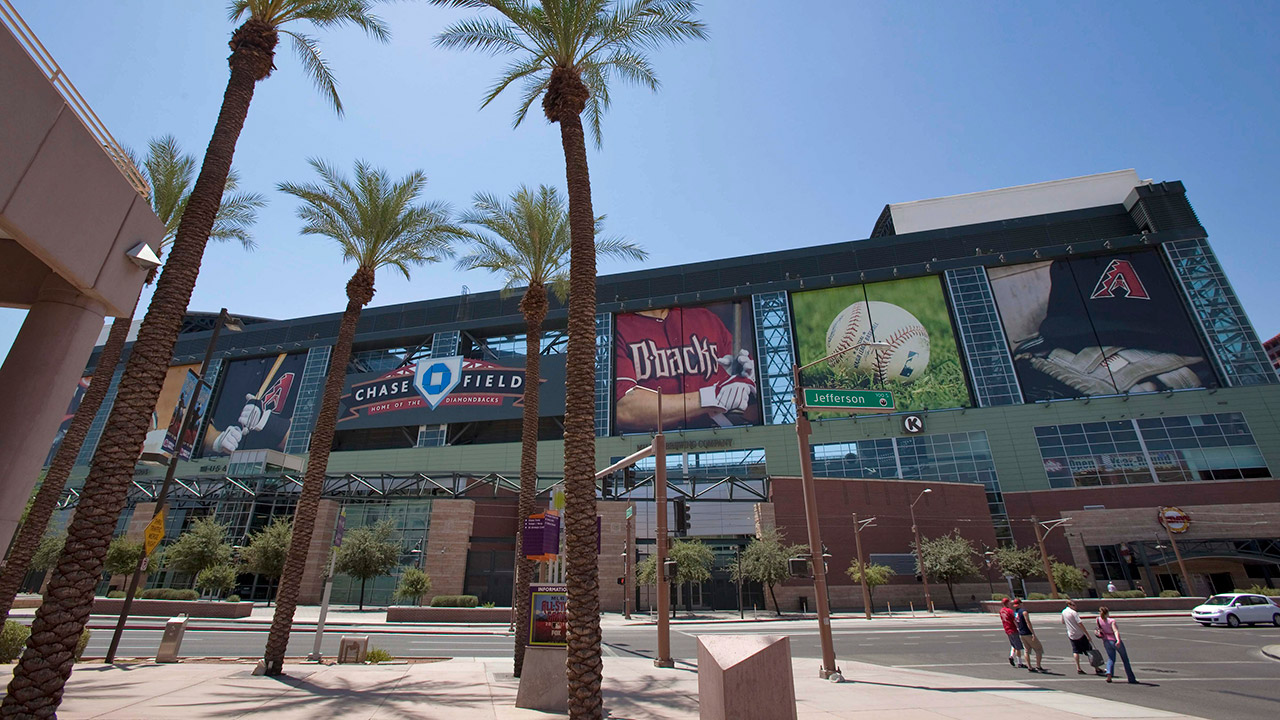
{"points": [[531, 538]]}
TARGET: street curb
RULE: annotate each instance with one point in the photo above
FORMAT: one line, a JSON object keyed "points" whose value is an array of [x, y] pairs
{"points": [[1272, 651], [904, 616], [264, 627]]}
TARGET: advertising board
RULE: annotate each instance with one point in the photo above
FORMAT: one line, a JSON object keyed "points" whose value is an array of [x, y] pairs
{"points": [[255, 404]]}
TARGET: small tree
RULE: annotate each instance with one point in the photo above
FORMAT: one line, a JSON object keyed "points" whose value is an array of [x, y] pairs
{"points": [[268, 549], [414, 584], [1070, 579], [948, 558], [216, 579], [765, 561], [368, 552], [47, 554], [203, 545], [693, 564], [123, 555], [876, 575], [1021, 562]]}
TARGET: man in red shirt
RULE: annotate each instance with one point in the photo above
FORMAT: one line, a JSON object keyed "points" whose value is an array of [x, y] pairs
{"points": [[1011, 631], [688, 354]]}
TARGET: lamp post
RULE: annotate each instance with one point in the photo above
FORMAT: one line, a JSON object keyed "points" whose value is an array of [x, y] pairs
{"points": [[989, 559], [188, 419], [811, 510], [928, 600], [1182, 568], [858, 527], [660, 503], [1042, 531]]}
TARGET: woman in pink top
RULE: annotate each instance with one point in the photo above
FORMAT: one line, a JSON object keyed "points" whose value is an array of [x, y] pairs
{"points": [[1110, 634]]}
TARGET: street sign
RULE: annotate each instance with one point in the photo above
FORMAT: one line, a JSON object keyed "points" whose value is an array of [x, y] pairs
{"points": [[834, 399], [631, 510], [154, 533], [912, 424]]}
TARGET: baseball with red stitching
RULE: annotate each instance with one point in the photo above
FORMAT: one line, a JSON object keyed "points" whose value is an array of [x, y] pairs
{"points": [[866, 322]]}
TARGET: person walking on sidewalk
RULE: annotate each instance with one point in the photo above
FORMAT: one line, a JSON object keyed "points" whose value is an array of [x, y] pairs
{"points": [[1011, 632], [1080, 644], [1109, 631], [1027, 633]]}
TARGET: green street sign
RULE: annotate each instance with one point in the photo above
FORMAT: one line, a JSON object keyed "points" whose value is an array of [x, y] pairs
{"points": [[831, 399], [630, 511]]}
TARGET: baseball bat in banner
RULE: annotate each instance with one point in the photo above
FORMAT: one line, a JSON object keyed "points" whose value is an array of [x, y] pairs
{"points": [[271, 375]]}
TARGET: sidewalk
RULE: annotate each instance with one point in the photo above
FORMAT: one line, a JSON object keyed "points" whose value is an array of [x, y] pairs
{"points": [[485, 690]]}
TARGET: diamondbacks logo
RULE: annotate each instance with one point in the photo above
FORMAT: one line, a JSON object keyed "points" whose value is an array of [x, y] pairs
{"points": [[274, 399], [696, 358], [1120, 275]]}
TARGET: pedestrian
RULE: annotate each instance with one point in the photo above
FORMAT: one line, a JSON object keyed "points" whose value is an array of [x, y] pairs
{"points": [[1109, 631], [1080, 644], [1011, 632], [1027, 633], [1111, 586]]}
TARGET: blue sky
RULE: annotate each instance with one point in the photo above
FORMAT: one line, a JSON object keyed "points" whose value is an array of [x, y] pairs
{"points": [[792, 126]]}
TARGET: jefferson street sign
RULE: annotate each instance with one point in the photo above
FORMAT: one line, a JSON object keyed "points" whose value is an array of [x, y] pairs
{"points": [[830, 399]]}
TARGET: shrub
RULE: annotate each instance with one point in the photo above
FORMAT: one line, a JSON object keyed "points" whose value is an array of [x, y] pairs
{"points": [[82, 643], [414, 583], [216, 579], [1037, 596], [1124, 594], [115, 594], [463, 601], [12, 639], [169, 594], [377, 655], [1259, 590], [1170, 593], [999, 596], [489, 604], [233, 598]]}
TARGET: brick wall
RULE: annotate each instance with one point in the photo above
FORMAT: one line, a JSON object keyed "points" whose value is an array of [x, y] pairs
{"points": [[448, 539], [311, 590], [613, 540]]}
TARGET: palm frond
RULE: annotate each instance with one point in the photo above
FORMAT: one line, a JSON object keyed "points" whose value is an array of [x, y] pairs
{"points": [[316, 67]]}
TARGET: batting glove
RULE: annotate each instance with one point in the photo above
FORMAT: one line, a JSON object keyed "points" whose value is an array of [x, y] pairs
{"points": [[228, 440], [252, 416]]}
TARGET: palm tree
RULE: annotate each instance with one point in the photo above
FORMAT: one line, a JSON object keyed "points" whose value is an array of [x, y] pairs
{"points": [[39, 679], [568, 51], [526, 239], [376, 223], [169, 173]]}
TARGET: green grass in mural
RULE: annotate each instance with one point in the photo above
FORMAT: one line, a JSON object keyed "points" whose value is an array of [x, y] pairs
{"points": [[942, 385]]}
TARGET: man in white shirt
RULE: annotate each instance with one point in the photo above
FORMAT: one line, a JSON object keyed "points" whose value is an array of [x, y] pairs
{"points": [[1076, 634]]}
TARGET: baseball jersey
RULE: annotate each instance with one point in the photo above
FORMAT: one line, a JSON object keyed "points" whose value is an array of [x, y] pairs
{"points": [[676, 354]]}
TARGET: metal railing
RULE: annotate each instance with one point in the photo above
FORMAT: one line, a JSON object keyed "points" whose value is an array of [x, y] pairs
{"points": [[58, 79]]}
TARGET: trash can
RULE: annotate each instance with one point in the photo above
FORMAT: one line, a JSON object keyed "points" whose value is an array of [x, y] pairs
{"points": [[171, 641], [352, 648]]}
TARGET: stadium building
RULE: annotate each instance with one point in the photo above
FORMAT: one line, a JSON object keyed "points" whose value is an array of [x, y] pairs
{"points": [[1069, 349]]}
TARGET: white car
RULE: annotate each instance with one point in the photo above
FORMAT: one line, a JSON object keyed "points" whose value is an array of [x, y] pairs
{"points": [[1233, 609]]}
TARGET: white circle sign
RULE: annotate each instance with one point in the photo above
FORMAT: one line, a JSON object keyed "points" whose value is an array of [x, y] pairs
{"points": [[912, 424]]}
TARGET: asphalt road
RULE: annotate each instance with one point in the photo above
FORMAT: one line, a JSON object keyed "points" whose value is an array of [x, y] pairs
{"points": [[1208, 672]]}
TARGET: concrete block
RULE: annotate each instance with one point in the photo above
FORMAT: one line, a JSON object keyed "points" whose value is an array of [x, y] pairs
{"points": [[543, 685], [745, 677]]}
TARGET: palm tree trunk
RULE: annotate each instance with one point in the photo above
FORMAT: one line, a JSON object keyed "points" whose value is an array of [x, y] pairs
{"points": [[41, 676], [565, 99], [46, 500], [534, 306], [359, 293]]}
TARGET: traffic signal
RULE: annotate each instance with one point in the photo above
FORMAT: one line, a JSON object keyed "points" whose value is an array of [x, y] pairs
{"points": [[669, 568], [622, 580], [798, 566], [682, 516], [629, 477]]}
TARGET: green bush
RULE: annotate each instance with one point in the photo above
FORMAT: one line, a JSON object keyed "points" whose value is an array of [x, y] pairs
{"points": [[169, 594], [82, 643], [233, 598], [1124, 594], [12, 639], [115, 594], [377, 655], [1037, 596], [489, 604], [1259, 590], [1170, 593], [999, 596], [462, 601]]}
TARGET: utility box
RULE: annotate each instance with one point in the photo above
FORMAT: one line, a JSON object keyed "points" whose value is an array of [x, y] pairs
{"points": [[352, 649], [171, 642]]}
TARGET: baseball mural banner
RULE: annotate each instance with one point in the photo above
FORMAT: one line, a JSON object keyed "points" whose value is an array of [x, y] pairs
{"points": [[255, 404], [703, 359], [67, 417], [445, 390], [1103, 325], [167, 413], [921, 364]]}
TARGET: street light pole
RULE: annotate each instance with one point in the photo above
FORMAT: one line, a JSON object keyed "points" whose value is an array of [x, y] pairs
{"points": [[858, 526], [1182, 568], [1042, 531], [660, 503], [928, 599], [188, 418]]}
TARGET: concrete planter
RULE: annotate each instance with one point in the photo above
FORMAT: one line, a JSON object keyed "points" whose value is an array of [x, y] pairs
{"points": [[1149, 604], [449, 615], [169, 608]]}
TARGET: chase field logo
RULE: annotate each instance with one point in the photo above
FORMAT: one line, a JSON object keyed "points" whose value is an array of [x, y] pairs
{"points": [[436, 378], [1120, 276]]}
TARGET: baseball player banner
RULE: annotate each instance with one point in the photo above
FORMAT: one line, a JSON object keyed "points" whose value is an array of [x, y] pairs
{"points": [[445, 390], [172, 400], [1101, 325], [255, 404], [921, 364], [67, 417], [703, 359]]}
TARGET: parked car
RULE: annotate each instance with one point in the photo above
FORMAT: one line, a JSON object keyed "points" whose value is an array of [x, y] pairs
{"points": [[1232, 609]]}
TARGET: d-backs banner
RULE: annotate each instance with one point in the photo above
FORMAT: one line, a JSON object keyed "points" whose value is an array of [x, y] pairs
{"points": [[447, 390]]}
